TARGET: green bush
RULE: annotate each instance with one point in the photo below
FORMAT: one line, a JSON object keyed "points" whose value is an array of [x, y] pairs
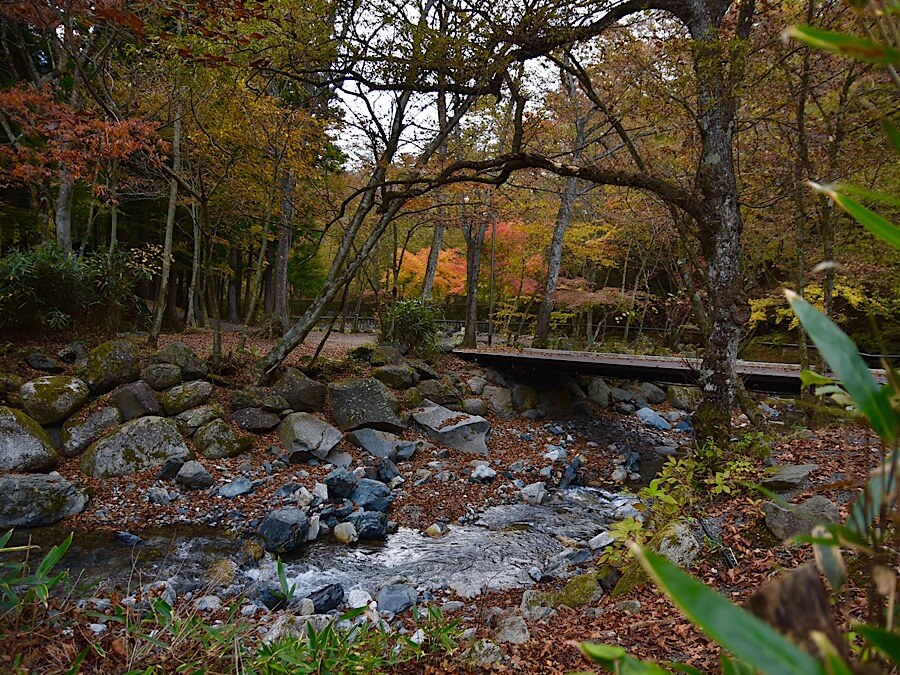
{"points": [[413, 323]]}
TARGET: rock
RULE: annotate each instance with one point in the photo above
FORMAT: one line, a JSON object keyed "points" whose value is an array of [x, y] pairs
{"points": [[786, 523], [24, 445], [598, 392], [161, 375], [363, 403], [73, 352], [284, 530], [54, 398], [248, 397], [113, 363], [345, 533], [483, 474], [191, 420], [456, 430], [328, 598], [684, 398], [371, 495], [217, 440], [484, 653], [76, 435], [301, 393], [44, 363], [158, 496], [370, 525], [385, 470], [533, 605], [37, 500], [442, 391], [194, 476], [275, 403], [255, 419], [384, 354], [524, 397], [476, 385], [677, 543], [475, 406], [296, 627], [500, 401], [653, 394], [397, 376], [437, 530], [179, 354], [306, 436], [512, 629], [396, 598], [208, 603], [188, 395], [788, 477], [376, 443], [9, 389], [339, 458], [618, 395], [534, 494], [127, 539], [358, 598], [237, 487], [138, 445], [341, 483], [601, 540], [411, 398], [651, 418], [171, 467], [136, 399], [555, 453]]}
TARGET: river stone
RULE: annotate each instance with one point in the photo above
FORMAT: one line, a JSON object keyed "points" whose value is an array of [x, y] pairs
{"points": [[44, 363], [677, 543], [194, 476], [326, 599], [500, 401], [136, 399], [476, 385], [483, 474], [379, 443], [161, 375], [255, 419], [179, 354], [512, 629], [442, 391], [52, 399], [248, 397], [650, 418], [788, 477], [341, 483], [534, 494], [345, 533], [302, 393], [370, 525], [524, 397], [110, 364], [358, 598], [363, 403], [73, 352], [10, 383], [371, 495], [78, 434], [475, 406], [684, 398], [654, 395], [456, 430], [24, 445], [237, 487], [138, 445], [188, 395], [284, 530], [217, 440], [396, 598], [191, 420], [36, 500], [800, 519], [397, 376], [305, 436], [293, 627], [598, 392]]}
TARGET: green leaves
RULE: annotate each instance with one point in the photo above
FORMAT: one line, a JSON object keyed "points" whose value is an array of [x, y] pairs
{"points": [[880, 227], [884, 641], [845, 45], [615, 660]]}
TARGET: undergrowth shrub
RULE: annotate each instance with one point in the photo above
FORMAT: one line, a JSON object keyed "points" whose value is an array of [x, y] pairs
{"points": [[413, 323]]}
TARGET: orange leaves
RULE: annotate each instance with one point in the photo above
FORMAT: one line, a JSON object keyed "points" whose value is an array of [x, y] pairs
{"points": [[450, 278]]}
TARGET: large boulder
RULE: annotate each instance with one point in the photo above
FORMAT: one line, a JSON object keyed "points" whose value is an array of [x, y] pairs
{"points": [[136, 399], [217, 440], [78, 434], [52, 399], [788, 477], [523, 397], [188, 395], [35, 500], [397, 376], [363, 403], [161, 375], [301, 393], [442, 391], [113, 363], [24, 446], [369, 525], [138, 445], [306, 436], [179, 354], [381, 443], [396, 598], [191, 420], [284, 530], [598, 392], [456, 430], [684, 398], [798, 520]]}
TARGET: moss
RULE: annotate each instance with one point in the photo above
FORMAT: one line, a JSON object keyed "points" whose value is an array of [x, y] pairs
{"points": [[578, 591], [632, 576], [254, 549], [411, 398], [222, 571], [362, 352]]}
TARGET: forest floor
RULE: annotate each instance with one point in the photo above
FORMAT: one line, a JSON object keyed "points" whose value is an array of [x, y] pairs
{"points": [[643, 621]]}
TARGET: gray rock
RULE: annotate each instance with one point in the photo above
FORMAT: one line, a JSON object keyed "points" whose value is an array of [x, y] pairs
{"points": [[37, 500], [598, 392], [651, 418], [370, 525], [476, 385], [620, 395], [442, 391], [275, 403], [424, 369], [684, 398], [371, 495], [181, 355], [601, 540], [483, 474], [677, 543], [512, 629], [358, 598], [475, 406], [533, 605], [138, 445], [284, 530], [456, 430], [136, 399], [788, 477], [73, 352], [385, 470], [346, 533], [500, 401], [296, 627], [161, 375], [301, 393], [51, 399], [396, 598], [397, 376], [248, 397], [191, 420], [534, 494], [113, 363], [77, 434], [159, 496], [363, 403], [328, 598], [24, 445], [208, 603], [217, 440], [184, 396], [652, 393], [341, 483], [786, 523], [194, 476], [306, 436], [255, 419], [44, 363], [484, 653], [380, 443], [524, 397], [339, 458]]}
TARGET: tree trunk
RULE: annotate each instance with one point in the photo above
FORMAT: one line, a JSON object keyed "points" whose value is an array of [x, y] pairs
{"points": [[113, 209], [63, 214], [190, 320], [475, 232], [285, 231], [234, 282]]}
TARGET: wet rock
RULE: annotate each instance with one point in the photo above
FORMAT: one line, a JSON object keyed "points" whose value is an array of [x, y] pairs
{"points": [[136, 399], [327, 599], [437, 530], [535, 493], [110, 364], [284, 530], [191, 420], [397, 376], [181, 355], [194, 476], [37, 500], [237, 487], [370, 525], [651, 418], [256, 420], [653, 394], [127, 539], [483, 474], [184, 396], [44, 363], [396, 598], [341, 483], [73, 352], [138, 445], [346, 533], [684, 398], [302, 393], [598, 392], [24, 445], [54, 398], [371, 495], [799, 520], [442, 391], [306, 436], [788, 477], [500, 401], [363, 403], [161, 375], [456, 430]]}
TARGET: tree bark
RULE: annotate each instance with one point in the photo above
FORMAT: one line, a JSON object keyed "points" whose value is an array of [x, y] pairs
{"points": [[474, 231], [285, 232]]}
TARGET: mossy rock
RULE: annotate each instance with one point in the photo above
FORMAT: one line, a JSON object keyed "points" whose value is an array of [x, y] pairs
{"points": [[411, 398], [185, 396], [362, 353], [52, 399], [112, 363], [141, 444], [217, 440], [24, 445], [674, 542], [9, 389], [578, 591]]}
